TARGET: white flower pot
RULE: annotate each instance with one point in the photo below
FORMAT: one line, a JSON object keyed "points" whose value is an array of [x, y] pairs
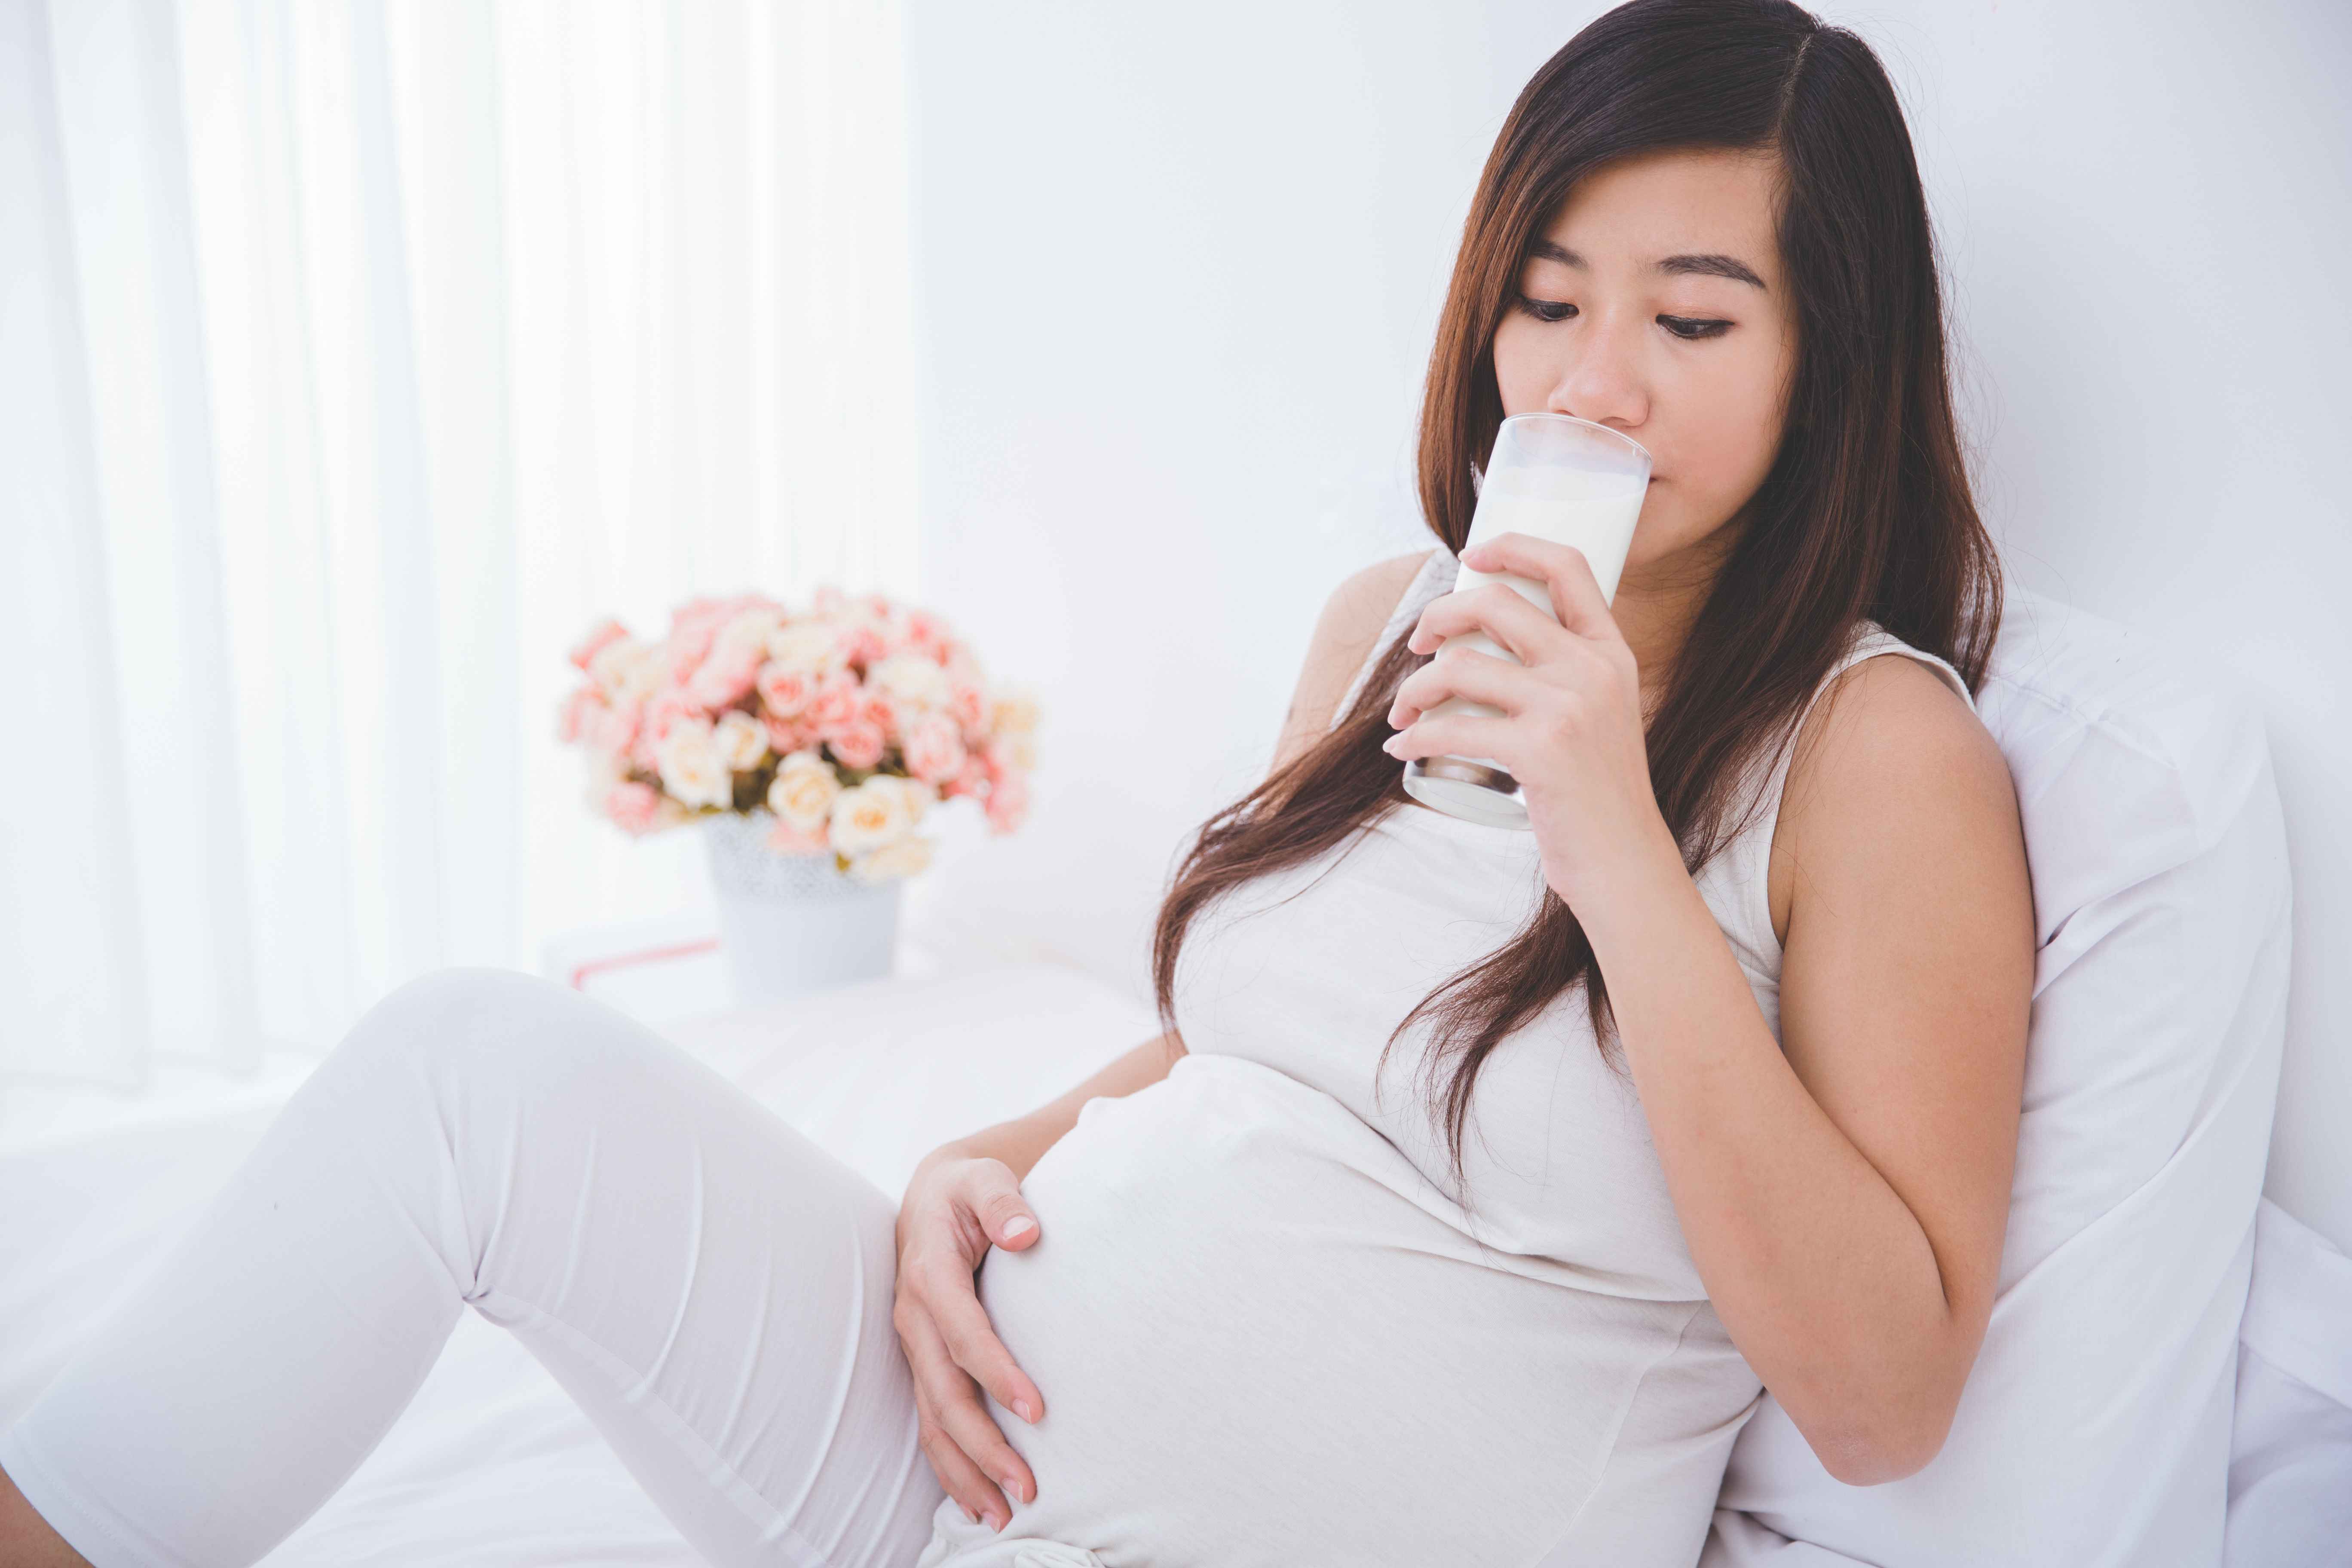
{"points": [[791, 924]]}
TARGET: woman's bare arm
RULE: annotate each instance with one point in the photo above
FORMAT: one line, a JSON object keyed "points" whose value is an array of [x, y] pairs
{"points": [[1023, 1140], [1845, 1190], [1352, 619]]}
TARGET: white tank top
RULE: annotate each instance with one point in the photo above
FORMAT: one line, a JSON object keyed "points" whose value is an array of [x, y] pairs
{"points": [[1265, 1332]]}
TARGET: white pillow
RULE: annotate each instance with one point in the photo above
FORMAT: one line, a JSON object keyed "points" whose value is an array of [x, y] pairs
{"points": [[2096, 1427]]}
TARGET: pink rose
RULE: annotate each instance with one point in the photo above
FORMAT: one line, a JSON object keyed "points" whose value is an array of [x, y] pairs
{"points": [[688, 647], [856, 744], [663, 714], [632, 804], [693, 627], [879, 709], [580, 713], [786, 736], [603, 632], [935, 751], [969, 779], [837, 703], [787, 692], [696, 619], [616, 728], [828, 600], [926, 633], [1008, 803], [703, 610], [726, 675], [967, 705], [861, 645]]}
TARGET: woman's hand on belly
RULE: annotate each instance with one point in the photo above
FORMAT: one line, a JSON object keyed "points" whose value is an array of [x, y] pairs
{"points": [[955, 1208]]}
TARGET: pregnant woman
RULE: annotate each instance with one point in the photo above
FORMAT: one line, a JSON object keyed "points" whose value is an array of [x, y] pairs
{"points": [[1483, 1179]]}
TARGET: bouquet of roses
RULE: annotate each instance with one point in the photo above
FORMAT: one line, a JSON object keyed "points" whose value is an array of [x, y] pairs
{"points": [[846, 719]]}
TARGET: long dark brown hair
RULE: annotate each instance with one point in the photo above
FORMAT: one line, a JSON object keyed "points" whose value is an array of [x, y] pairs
{"points": [[1865, 512]]}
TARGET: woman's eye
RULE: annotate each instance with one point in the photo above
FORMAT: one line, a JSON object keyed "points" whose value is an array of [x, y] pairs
{"points": [[1690, 329], [1687, 328]]}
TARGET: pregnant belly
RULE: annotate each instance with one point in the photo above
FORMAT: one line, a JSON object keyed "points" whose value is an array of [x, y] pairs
{"points": [[1261, 1341]]}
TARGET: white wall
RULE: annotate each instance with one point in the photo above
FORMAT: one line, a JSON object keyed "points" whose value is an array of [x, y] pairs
{"points": [[1177, 273]]}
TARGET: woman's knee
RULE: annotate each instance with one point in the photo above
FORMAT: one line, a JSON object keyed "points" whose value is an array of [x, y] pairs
{"points": [[478, 1020]]}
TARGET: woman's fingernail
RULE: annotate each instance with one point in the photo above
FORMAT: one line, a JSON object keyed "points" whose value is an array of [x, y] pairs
{"points": [[1021, 1408], [1018, 1226], [967, 1513], [1012, 1489]]}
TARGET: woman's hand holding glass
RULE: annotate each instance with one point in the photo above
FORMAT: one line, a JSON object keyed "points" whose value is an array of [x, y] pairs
{"points": [[1570, 729], [957, 1206]]}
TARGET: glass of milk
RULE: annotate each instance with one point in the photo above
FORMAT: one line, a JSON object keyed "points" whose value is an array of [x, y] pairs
{"points": [[1552, 477]]}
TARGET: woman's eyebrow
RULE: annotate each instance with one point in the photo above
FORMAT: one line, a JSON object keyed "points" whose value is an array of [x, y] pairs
{"points": [[1709, 266]]}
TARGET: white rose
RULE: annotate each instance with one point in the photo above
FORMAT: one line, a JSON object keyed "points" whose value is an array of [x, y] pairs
{"points": [[740, 740], [806, 645], [626, 668], [753, 627], [1019, 749], [1014, 713], [604, 771], [870, 816], [912, 678], [691, 769], [919, 794], [606, 664], [963, 664], [803, 791], [902, 857]]}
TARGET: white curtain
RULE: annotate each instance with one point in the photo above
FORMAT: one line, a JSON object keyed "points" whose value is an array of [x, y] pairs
{"points": [[355, 356]]}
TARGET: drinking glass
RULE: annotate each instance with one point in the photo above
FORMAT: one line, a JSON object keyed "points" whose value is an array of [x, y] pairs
{"points": [[1550, 476]]}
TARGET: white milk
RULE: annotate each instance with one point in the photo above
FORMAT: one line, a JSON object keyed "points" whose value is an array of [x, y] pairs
{"points": [[1594, 513]]}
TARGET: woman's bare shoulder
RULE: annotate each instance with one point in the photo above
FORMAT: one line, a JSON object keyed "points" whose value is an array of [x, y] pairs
{"points": [[1355, 614], [1889, 758], [1349, 624], [1378, 588]]}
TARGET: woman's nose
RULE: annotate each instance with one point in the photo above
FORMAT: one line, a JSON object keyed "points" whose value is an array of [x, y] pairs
{"points": [[1602, 381]]}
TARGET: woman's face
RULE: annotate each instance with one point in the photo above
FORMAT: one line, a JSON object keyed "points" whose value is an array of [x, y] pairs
{"points": [[1655, 304]]}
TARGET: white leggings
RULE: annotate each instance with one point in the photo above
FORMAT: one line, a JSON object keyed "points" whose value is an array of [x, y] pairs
{"points": [[712, 1288]]}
